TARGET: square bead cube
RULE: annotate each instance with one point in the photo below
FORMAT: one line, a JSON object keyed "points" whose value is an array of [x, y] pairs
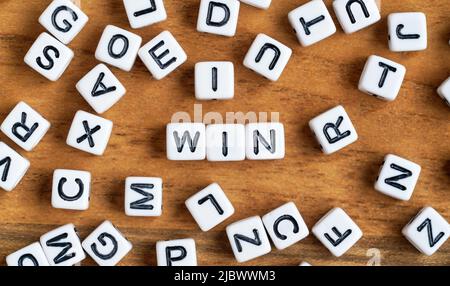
{"points": [[225, 142], [143, 196], [12, 167], [218, 17], [142, 13], [354, 15], [264, 141], [214, 80], [186, 141], [179, 252], [407, 31], [71, 189]]}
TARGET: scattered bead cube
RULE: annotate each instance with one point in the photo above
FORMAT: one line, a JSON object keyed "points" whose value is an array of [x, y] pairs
{"points": [[261, 4], [49, 57], [218, 17], [62, 246], [285, 225], [382, 78], [427, 231], [312, 22], [25, 126], [267, 57], [118, 47], [100, 88], [143, 13], [333, 130], [106, 245], [337, 231], [209, 207], [31, 255], [407, 32], [162, 55], [89, 133], [186, 141], [248, 239], [12, 167], [354, 15], [64, 20], [214, 80], [71, 189], [397, 178], [143, 196], [179, 252], [225, 142], [264, 141], [444, 91]]}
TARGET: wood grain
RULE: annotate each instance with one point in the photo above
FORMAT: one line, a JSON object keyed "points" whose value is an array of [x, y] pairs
{"points": [[415, 126]]}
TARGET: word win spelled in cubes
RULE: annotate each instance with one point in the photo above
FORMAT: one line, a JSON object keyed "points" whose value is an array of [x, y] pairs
{"points": [[31, 255], [209, 207], [118, 47], [89, 133], [179, 252], [218, 17], [12, 167], [225, 142], [143, 196], [25, 126], [162, 55], [143, 13], [444, 91], [49, 57], [267, 57], [427, 231], [407, 32], [64, 20], [106, 245], [100, 88], [333, 130], [382, 78], [248, 239], [71, 189], [62, 246], [337, 231], [398, 177], [214, 80], [312, 22], [354, 15]]}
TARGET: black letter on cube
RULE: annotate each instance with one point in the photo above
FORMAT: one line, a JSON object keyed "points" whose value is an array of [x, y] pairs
{"points": [[225, 19], [146, 11], [124, 50], [258, 137], [62, 256], [158, 59], [7, 162], [101, 239], [314, 21], [386, 69], [65, 197], [67, 25], [186, 136], [140, 204], [213, 202], [431, 240], [46, 53], [28, 130], [100, 88], [255, 241], [350, 13], [340, 236], [279, 220], [335, 128], [402, 36], [170, 259], [27, 256], [275, 58], [392, 180], [89, 133]]}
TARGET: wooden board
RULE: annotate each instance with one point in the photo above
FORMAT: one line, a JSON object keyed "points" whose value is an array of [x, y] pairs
{"points": [[415, 126]]}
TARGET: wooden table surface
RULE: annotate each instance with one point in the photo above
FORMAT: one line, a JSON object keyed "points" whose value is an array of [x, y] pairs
{"points": [[415, 126]]}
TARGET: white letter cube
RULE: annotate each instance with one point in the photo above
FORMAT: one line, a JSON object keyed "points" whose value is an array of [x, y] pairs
{"points": [[209, 207], [261, 4], [398, 177], [62, 246], [179, 252], [218, 17], [333, 129], [12, 167], [49, 57], [267, 57], [100, 88], [118, 47], [143, 13], [25, 126], [427, 231], [444, 91], [264, 141], [337, 231], [89, 133], [214, 80], [248, 239], [382, 78], [285, 225], [64, 20], [162, 55], [31, 255], [407, 32], [354, 15], [225, 142], [312, 22], [143, 196], [106, 245], [186, 141], [71, 189]]}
